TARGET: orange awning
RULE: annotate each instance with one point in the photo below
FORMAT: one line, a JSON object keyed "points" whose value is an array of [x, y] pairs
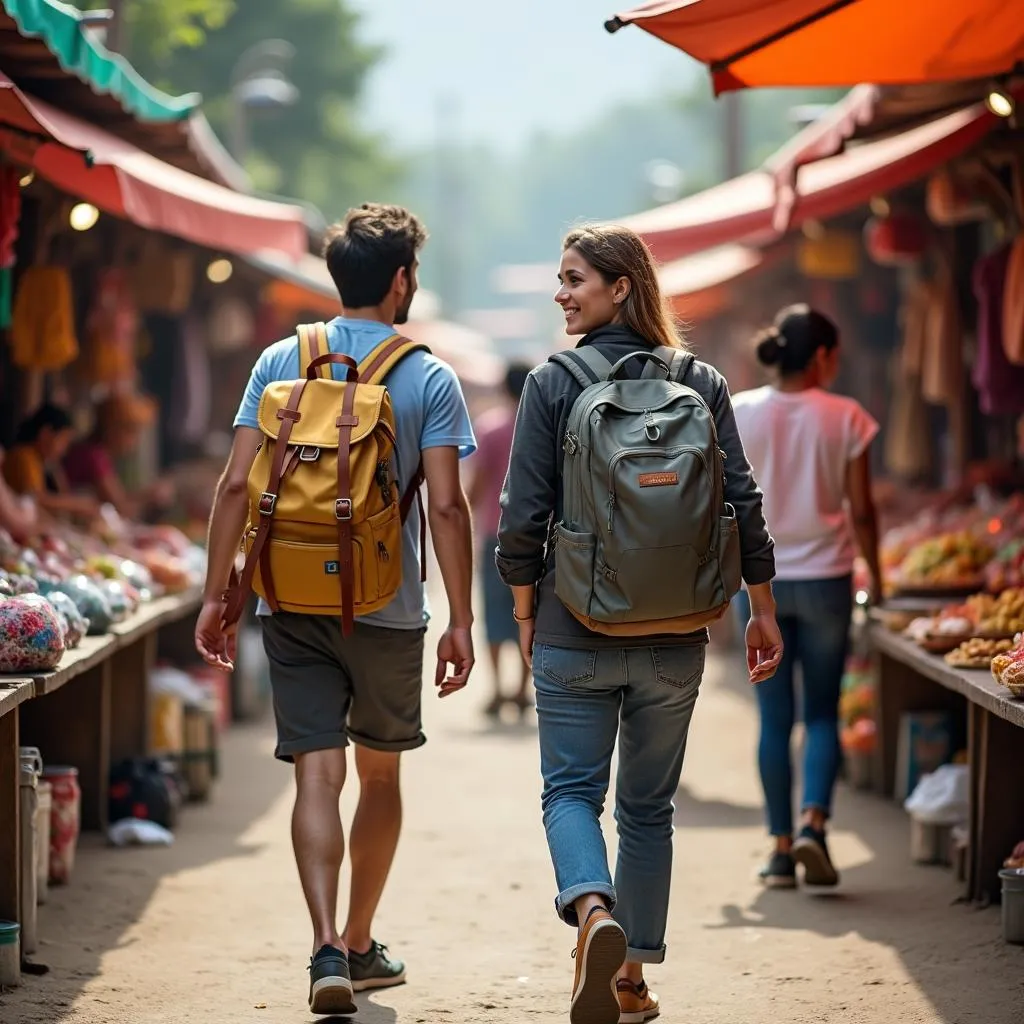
{"points": [[749, 43], [119, 178], [697, 286], [747, 209]]}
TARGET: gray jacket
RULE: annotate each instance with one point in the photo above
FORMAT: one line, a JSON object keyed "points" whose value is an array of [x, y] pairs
{"points": [[531, 499]]}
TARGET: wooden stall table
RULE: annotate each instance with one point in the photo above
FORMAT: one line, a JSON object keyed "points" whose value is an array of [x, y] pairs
{"points": [[93, 710], [13, 693], [910, 679]]}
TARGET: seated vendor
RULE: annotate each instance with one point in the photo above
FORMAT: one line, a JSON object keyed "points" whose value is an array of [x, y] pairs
{"points": [[90, 464], [18, 513], [32, 466]]}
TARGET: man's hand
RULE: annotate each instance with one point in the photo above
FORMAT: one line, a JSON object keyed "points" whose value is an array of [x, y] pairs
{"points": [[216, 642], [527, 629], [764, 647], [455, 648]]}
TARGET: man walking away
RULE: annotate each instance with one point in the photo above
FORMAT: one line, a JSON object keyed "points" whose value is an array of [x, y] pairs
{"points": [[331, 689], [494, 431]]}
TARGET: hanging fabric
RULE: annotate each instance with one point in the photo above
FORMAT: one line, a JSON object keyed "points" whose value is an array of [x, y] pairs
{"points": [[942, 368], [999, 383], [43, 322], [112, 328], [1013, 304]]}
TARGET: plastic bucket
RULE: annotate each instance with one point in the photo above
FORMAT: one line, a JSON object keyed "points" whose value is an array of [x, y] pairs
{"points": [[1013, 904], [10, 953]]}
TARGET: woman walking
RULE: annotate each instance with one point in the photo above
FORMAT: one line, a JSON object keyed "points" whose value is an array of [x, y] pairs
{"points": [[592, 688], [809, 451]]}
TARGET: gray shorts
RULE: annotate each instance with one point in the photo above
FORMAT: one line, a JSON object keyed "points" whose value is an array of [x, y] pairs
{"points": [[330, 690]]}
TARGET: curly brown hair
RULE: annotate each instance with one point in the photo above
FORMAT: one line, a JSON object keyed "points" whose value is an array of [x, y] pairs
{"points": [[367, 249]]}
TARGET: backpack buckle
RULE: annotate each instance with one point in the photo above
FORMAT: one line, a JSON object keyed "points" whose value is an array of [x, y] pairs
{"points": [[266, 504], [343, 509], [307, 453]]}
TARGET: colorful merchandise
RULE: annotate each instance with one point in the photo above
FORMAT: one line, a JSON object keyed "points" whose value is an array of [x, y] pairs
{"points": [[999, 382], [31, 635], [43, 325]]}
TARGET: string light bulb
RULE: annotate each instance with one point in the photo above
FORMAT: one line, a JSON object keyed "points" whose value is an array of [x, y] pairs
{"points": [[220, 271], [83, 216], [1000, 102]]}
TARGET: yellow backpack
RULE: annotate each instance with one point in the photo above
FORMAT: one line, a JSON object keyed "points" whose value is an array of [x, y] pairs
{"points": [[324, 535]]}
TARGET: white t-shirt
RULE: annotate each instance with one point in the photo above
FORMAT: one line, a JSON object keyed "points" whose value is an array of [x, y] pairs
{"points": [[799, 445]]}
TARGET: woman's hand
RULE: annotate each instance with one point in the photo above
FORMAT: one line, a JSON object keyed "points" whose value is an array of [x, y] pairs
{"points": [[527, 628], [764, 647]]}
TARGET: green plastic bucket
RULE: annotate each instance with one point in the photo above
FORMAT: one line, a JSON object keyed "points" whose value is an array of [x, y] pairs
{"points": [[9, 933]]}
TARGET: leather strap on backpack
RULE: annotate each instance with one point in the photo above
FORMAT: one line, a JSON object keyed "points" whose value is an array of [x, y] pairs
{"points": [[373, 370], [259, 553], [343, 506], [313, 343]]}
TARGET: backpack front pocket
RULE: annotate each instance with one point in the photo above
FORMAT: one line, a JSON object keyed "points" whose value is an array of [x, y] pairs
{"points": [[307, 577]]}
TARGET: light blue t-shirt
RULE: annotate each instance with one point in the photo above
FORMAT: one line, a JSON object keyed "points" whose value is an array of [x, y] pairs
{"points": [[430, 412]]}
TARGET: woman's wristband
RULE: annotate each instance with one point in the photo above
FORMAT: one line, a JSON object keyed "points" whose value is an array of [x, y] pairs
{"points": [[522, 618]]}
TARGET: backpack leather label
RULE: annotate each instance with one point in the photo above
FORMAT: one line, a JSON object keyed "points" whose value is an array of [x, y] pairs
{"points": [[657, 479]]}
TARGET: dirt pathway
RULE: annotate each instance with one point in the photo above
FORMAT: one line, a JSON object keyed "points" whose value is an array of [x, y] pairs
{"points": [[213, 929]]}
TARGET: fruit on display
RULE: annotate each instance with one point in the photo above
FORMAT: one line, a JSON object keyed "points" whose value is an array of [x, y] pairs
{"points": [[978, 653], [31, 634], [1007, 567], [951, 558], [1008, 669], [1000, 615]]}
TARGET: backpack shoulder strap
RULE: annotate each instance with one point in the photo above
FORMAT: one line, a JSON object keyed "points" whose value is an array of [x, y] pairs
{"points": [[385, 357], [312, 344], [586, 365], [678, 360]]}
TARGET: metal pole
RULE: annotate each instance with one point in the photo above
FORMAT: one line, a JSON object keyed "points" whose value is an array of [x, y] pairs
{"points": [[117, 33], [732, 135]]}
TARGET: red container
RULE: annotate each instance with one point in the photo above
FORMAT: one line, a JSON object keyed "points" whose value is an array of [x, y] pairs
{"points": [[65, 821]]}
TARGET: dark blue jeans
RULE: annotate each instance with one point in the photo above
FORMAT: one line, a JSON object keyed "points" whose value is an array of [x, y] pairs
{"points": [[814, 617]]}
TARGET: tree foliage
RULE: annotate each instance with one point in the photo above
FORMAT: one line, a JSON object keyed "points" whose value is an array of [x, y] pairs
{"points": [[157, 28], [315, 150]]}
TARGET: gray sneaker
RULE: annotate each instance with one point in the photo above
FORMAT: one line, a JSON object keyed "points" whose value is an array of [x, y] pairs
{"points": [[375, 969]]}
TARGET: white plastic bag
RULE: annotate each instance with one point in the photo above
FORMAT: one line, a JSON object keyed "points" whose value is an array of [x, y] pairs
{"points": [[941, 798], [136, 832]]}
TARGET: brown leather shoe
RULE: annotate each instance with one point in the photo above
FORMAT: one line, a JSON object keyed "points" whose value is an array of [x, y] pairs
{"points": [[599, 954], [637, 1003]]}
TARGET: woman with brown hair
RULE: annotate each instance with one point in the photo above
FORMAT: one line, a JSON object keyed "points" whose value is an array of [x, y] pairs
{"points": [[593, 688]]}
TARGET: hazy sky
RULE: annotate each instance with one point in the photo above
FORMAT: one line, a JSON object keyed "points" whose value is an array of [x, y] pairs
{"points": [[512, 65]]}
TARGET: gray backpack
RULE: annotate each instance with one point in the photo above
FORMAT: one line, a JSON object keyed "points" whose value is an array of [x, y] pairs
{"points": [[647, 542]]}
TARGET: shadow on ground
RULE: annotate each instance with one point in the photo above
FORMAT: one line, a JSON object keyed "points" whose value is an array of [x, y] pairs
{"points": [[883, 899], [123, 882]]}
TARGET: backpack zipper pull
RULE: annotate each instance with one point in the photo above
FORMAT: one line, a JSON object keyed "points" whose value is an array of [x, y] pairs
{"points": [[382, 552], [611, 510]]}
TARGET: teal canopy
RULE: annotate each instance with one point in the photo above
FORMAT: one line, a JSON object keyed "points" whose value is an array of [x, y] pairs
{"points": [[58, 26]]}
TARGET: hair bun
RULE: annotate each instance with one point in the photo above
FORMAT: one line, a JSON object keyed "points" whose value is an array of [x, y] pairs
{"points": [[769, 346]]}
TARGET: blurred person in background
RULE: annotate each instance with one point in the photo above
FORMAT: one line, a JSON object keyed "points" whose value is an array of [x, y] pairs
{"points": [[90, 465], [810, 453], [494, 432], [32, 467], [18, 513]]}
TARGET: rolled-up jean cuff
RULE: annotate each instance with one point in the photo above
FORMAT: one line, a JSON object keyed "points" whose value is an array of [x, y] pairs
{"points": [[564, 900], [645, 956]]}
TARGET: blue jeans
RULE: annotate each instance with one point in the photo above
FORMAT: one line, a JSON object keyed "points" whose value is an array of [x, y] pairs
{"points": [[645, 696], [814, 617]]}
